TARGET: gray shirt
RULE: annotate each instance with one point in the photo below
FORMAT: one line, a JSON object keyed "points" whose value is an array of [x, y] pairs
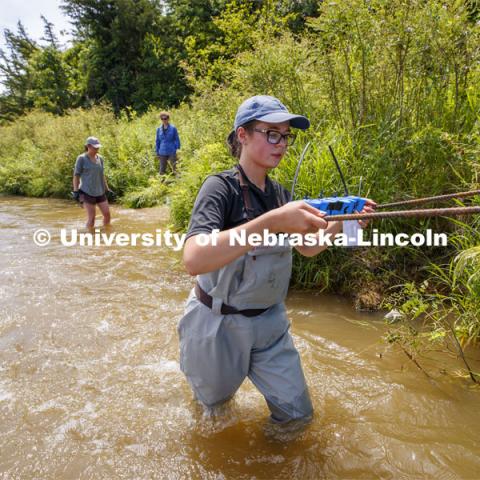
{"points": [[91, 175]]}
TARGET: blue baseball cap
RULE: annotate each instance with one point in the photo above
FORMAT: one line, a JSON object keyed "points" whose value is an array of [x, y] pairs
{"points": [[267, 109]]}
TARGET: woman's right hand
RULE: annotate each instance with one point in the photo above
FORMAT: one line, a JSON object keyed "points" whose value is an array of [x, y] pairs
{"points": [[297, 217]]}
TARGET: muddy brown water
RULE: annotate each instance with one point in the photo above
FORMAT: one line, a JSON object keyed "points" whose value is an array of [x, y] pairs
{"points": [[90, 385]]}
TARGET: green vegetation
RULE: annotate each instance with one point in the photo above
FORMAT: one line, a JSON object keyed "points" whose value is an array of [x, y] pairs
{"points": [[39, 151], [130, 54], [393, 86]]}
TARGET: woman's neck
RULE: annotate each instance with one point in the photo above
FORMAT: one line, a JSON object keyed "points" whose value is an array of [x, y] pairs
{"points": [[256, 174], [93, 156]]}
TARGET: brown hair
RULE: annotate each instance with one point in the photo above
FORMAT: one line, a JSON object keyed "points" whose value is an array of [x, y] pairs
{"points": [[233, 144]]}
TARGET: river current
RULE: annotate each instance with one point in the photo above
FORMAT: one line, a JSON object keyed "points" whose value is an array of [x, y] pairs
{"points": [[90, 385]]}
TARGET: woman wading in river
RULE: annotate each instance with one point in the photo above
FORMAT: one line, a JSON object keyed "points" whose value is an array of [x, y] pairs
{"points": [[90, 184], [235, 323]]}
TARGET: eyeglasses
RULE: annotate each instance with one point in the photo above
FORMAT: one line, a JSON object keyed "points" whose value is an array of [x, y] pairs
{"points": [[274, 137], [163, 118]]}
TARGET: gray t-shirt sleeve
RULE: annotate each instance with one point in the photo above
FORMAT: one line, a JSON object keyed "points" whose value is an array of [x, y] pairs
{"points": [[211, 205], [78, 166]]}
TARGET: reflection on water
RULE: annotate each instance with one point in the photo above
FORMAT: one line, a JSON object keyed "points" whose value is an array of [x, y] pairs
{"points": [[90, 385]]}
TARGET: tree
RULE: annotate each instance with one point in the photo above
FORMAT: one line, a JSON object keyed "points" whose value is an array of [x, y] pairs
{"points": [[14, 72], [137, 53], [36, 76], [49, 33], [50, 83], [236, 29], [133, 51], [53, 81]]}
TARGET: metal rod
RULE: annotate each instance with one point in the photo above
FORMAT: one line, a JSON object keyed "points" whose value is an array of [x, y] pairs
{"points": [[339, 170], [427, 212], [419, 201]]}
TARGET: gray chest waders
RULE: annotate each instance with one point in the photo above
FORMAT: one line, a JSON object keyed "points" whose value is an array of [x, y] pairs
{"points": [[235, 325]]}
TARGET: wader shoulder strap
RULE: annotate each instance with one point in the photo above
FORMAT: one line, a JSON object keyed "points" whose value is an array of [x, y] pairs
{"points": [[278, 194], [245, 193]]}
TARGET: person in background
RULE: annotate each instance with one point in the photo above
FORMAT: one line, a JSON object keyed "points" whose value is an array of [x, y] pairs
{"points": [[167, 142], [90, 184]]}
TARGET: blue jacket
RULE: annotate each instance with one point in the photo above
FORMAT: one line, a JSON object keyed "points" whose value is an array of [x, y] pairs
{"points": [[167, 142]]}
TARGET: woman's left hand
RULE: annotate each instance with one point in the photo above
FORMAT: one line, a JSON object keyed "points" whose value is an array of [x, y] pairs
{"points": [[369, 207], [111, 194]]}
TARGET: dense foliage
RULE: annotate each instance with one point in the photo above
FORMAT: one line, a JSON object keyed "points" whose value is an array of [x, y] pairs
{"points": [[131, 54]]}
